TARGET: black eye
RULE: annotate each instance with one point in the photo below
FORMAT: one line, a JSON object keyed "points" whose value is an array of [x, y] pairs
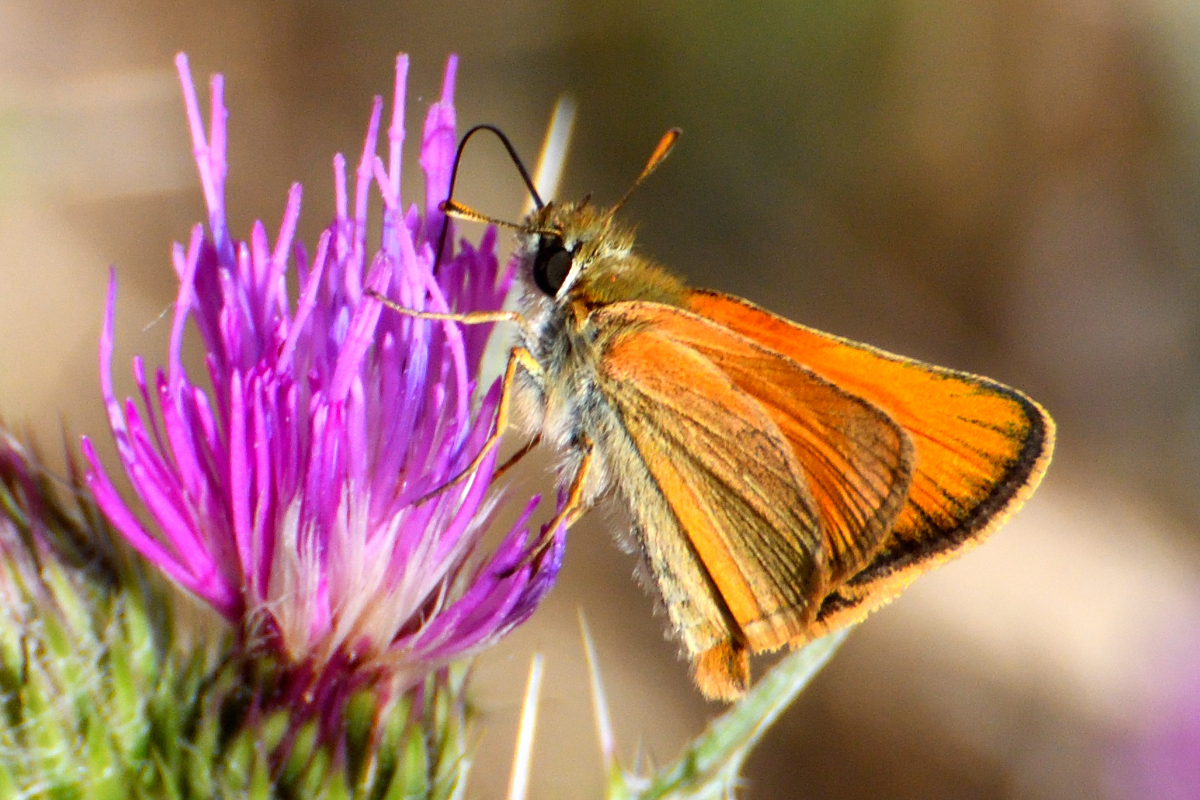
{"points": [[551, 265]]}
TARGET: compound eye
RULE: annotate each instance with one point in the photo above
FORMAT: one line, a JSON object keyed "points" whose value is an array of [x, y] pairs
{"points": [[551, 266]]}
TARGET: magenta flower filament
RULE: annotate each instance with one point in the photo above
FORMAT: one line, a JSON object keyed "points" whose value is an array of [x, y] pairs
{"points": [[285, 496]]}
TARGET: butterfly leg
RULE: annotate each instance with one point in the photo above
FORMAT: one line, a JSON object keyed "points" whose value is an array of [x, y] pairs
{"points": [[521, 358], [472, 318], [572, 509], [517, 456], [574, 505]]}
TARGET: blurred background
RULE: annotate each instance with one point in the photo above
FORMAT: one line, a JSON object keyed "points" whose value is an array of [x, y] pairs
{"points": [[1010, 187]]}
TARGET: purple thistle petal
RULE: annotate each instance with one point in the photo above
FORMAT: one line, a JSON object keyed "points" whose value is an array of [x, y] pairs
{"points": [[438, 144], [396, 131], [286, 496]]}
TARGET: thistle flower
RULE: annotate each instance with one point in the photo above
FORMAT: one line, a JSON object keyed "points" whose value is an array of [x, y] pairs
{"points": [[309, 496]]}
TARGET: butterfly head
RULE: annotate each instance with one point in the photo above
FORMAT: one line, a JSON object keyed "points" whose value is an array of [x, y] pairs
{"points": [[563, 242], [578, 254], [577, 251]]}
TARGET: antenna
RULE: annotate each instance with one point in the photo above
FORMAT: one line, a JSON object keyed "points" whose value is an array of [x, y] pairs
{"points": [[449, 202], [455, 209], [661, 151]]}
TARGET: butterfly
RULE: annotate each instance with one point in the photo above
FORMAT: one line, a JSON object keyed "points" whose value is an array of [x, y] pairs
{"points": [[782, 482]]}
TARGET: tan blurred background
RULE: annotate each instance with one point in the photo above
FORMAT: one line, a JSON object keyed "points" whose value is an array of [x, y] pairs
{"points": [[1005, 186]]}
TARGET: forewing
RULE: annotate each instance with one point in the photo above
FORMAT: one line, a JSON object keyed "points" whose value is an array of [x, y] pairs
{"points": [[980, 448], [726, 473], [856, 461]]}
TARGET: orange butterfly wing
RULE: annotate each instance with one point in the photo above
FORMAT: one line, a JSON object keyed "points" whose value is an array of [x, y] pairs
{"points": [[726, 474], [856, 461], [774, 473], [980, 448]]}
